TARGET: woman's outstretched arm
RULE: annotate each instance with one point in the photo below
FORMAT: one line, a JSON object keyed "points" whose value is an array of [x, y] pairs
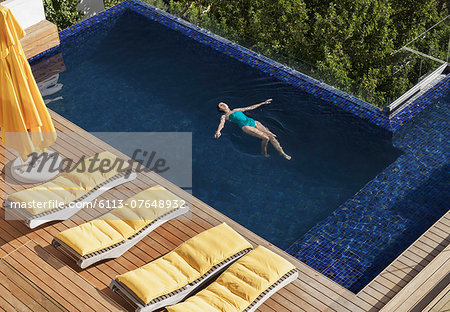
{"points": [[243, 109], [220, 127]]}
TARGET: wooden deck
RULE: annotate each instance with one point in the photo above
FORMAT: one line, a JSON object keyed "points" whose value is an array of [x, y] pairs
{"points": [[428, 283], [39, 38], [30, 253], [441, 303], [87, 290], [425, 258]]}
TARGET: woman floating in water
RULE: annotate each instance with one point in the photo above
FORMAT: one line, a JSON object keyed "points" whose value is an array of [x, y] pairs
{"points": [[249, 126]]}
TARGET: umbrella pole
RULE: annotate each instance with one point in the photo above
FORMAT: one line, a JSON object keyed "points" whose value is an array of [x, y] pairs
{"points": [[37, 168]]}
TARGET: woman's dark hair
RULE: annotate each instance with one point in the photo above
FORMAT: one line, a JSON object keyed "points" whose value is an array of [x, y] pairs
{"points": [[218, 108]]}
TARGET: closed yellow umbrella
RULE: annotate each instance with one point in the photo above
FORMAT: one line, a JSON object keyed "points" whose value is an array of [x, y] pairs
{"points": [[25, 122]]}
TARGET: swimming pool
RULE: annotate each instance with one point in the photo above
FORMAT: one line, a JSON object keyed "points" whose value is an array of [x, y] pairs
{"points": [[142, 76]]}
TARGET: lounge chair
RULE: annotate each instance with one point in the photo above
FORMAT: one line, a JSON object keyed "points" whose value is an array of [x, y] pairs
{"points": [[174, 276], [117, 231], [62, 197], [244, 286]]}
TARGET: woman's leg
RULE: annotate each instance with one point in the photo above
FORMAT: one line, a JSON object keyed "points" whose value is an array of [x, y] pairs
{"points": [[278, 147], [272, 139], [259, 134], [263, 128]]}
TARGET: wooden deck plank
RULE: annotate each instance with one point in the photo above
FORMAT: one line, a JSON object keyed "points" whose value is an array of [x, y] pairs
{"points": [[442, 234], [14, 298], [63, 283], [39, 38], [5, 301], [416, 258], [380, 292], [432, 250], [46, 283], [444, 226], [13, 231], [441, 303], [432, 237], [48, 260], [422, 284], [384, 286], [5, 306]]}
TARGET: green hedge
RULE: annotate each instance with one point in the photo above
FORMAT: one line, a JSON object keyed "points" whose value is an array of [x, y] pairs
{"points": [[62, 13]]}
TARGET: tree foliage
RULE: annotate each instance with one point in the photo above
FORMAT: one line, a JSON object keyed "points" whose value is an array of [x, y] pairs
{"points": [[347, 40], [111, 3], [351, 44], [63, 13]]}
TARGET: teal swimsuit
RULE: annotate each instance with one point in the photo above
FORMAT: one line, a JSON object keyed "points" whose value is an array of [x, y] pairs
{"points": [[241, 119]]}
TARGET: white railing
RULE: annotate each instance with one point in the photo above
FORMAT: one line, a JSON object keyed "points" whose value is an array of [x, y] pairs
{"points": [[419, 89]]}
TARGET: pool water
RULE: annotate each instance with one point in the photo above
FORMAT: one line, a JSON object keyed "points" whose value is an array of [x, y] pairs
{"points": [[140, 76]]}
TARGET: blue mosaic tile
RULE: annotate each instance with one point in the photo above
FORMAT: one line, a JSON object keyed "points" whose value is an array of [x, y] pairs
{"points": [[342, 274], [393, 209]]}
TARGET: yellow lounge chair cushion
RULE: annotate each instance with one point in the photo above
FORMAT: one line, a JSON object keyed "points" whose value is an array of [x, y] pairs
{"points": [[121, 223], [241, 284], [67, 187], [186, 263]]}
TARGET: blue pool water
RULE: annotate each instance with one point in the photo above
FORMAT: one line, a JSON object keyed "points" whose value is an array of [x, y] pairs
{"points": [[142, 76]]}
